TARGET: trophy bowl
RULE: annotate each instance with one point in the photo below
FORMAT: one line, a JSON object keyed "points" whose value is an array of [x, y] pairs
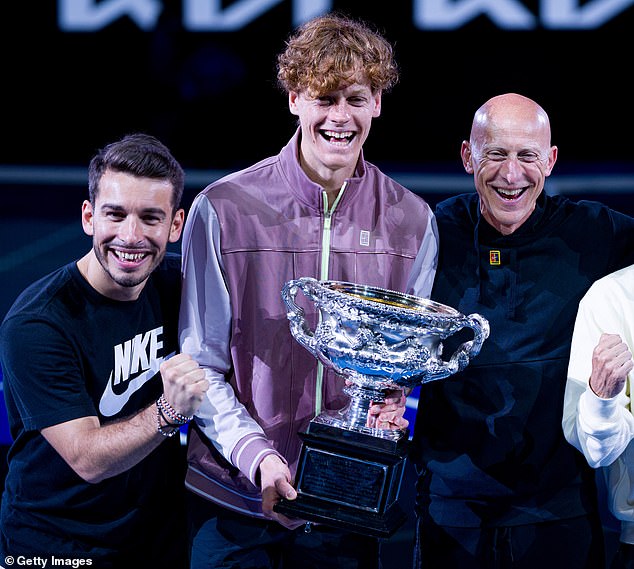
{"points": [[378, 340], [349, 472]]}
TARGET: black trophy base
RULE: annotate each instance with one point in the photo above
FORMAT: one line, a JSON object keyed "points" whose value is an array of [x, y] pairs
{"points": [[349, 480], [368, 523]]}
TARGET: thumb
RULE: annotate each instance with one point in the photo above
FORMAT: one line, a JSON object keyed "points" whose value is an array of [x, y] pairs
{"points": [[288, 491]]}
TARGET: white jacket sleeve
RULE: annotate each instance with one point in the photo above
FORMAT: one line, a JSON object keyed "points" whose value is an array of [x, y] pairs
{"points": [[421, 277], [205, 329], [600, 428]]}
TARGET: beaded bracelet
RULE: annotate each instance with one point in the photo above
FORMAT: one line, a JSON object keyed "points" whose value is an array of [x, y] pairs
{"points": [[170, 413], [162, 429], [167, 422]]}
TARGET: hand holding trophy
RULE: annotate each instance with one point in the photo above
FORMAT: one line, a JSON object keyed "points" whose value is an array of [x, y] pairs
{"points": [[379, 340]]}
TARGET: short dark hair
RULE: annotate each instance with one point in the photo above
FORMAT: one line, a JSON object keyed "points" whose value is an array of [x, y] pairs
{"points": [[141, 155]]}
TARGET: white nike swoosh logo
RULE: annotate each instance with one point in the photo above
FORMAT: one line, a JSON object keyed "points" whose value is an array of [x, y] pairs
{"points": [[111, 403]]}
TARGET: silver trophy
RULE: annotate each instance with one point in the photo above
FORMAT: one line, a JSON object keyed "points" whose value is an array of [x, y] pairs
{"points": [[378, 340]]}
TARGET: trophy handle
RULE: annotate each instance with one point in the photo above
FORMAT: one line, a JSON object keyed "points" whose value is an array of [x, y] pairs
{"points": [[464, 352], [295, 313]]}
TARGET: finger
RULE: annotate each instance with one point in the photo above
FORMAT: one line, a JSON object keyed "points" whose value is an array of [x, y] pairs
{"points": [[377, 409], [401, 422], [285, 489], [396, 400]]}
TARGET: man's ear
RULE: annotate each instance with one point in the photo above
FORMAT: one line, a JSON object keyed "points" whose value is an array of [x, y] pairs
{"points": [[177, 225], [465, 153], [552, 158], [87, 215], [292, 102], [377, 104]]}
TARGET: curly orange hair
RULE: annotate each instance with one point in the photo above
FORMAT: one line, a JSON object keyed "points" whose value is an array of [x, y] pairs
{"points": [[333, 51]]}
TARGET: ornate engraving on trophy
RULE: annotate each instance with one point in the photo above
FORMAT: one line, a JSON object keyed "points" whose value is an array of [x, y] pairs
{"points": [[379, 340]]}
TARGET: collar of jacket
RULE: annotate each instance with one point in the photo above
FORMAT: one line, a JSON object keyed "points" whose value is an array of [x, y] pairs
{"points": [[487, 234], [303, 187]]}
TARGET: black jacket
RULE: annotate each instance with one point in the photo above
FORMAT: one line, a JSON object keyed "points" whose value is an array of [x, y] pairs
{"points": [[488, 441]]}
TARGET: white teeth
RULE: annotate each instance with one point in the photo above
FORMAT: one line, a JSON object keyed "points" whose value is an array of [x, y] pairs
{"points": [[129, 256], [334, 134], [510, 193]]}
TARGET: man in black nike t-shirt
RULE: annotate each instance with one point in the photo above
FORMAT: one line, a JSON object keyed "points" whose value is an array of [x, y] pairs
{"points": [[93, 384]]}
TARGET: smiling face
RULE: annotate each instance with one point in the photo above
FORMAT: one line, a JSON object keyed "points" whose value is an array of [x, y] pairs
{"points": [[334, 127], [131, 224], [510, 156]]}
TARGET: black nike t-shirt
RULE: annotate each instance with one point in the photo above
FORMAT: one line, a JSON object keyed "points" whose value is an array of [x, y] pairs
{"points": [[68, 352]]}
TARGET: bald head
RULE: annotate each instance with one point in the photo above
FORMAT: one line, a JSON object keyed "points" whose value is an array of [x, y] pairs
{"points": [[511, 112], [510, 156]]}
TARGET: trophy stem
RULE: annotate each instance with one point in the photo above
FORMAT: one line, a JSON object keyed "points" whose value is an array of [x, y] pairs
{"points": [[354, 416], [355, 413]]}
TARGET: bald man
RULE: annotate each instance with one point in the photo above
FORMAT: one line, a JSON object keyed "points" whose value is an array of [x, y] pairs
{"points": [[499, 485]]}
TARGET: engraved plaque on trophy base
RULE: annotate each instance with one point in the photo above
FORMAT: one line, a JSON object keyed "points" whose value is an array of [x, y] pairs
{"points": [[349, 480]]}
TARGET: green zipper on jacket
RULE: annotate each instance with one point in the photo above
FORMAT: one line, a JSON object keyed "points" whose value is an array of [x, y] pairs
{"points": [[325, 257]]}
